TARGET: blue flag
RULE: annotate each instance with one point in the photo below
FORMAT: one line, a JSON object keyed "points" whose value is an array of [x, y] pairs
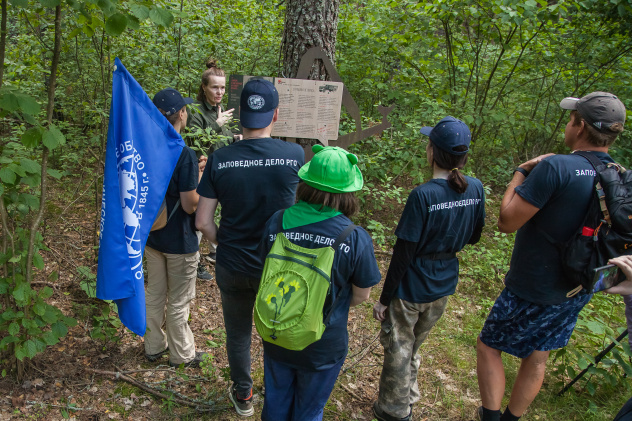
{"points": [[142, 151]]}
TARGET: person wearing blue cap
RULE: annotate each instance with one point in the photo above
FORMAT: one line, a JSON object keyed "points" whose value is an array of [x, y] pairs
{"points": [[298, 382], [172, 252], [546, 201], [251, 179], [441, 216]]}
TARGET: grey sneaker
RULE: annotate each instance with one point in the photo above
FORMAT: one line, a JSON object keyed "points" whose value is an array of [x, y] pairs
{"points": [[202, 273], [155, 357], [242, 406], [194, 363]]}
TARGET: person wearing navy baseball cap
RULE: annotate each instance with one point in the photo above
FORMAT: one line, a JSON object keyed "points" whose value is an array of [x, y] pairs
{"points": [[441, 216], [251, 179], [172, 252], [258, 104], [545, 204]]}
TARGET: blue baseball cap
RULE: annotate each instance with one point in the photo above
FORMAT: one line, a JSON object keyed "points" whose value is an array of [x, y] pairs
{"points": [[449, 133], [170, 101], [259, 99]]}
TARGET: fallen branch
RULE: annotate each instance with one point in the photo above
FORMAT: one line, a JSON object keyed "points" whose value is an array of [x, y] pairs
{"points": [[353, 395], [118, 375], [384, 253]]}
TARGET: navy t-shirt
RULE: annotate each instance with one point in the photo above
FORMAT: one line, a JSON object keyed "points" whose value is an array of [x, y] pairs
{"points": [[561, 186], [178, 236], [354, 264], [251, 179], [439, 220]]}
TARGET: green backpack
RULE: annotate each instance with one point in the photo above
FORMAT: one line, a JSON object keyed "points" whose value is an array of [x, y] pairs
{"points": [[294, 285]]}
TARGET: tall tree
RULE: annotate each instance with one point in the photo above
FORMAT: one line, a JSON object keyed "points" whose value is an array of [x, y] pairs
{"points": [[309, 23]]}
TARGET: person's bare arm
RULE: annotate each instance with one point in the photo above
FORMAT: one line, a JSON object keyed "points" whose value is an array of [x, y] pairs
{"points": [[514, 210], [205, 218], [359, 295], [189, 201]]}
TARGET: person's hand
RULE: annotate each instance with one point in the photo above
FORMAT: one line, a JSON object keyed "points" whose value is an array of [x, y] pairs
{"points": [[224, 117], [202, 163], [530, 164], [625, 287], [379, 311], [237, 137]]}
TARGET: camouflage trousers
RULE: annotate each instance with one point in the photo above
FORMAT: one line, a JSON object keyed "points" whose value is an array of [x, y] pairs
{"points": [[403, 331]]}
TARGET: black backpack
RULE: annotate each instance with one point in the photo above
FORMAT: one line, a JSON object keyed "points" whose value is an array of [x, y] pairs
{"points": [[606, 231]]}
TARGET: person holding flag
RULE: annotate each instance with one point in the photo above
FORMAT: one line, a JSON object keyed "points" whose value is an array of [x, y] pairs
{"points": [[172, 252]]}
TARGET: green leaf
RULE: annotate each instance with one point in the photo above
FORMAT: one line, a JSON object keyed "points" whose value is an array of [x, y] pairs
{"points": [[21, 292], [50, 338], [160, 16], [116, 24], [32, 180], [20, 352], [31, 348], [45, 293], [54, 173], [28, 105], [9, 102], [7, 340], [14, 329], [32, 137], [53, 137], [30, 166], [39, 308], [15, 259], [19, 3], [30, 200], [50, 3], [7, 176], [59, 329], [50, 316], [38, 261], [140, 11]]}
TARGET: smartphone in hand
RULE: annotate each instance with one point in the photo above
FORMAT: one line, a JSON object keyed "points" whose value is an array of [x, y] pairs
{"points": [[607, 276]]}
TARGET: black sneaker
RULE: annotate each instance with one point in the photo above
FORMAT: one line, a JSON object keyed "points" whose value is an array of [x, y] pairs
{"points": [[202, 273], [155, 357], [194, 363], [383, 416], [242, 406], [211, 257]]}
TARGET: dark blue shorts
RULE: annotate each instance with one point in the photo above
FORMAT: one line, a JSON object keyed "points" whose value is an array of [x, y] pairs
{"points": [[519, 327]]}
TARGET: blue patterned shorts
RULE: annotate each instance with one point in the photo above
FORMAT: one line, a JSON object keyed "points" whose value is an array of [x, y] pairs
{"points": [[519, 327]]}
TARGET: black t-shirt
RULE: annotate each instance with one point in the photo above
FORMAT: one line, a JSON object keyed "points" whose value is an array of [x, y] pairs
{"points": [[354, 264], [438, 220], [178, 236], [251, 179], [561, 186]]}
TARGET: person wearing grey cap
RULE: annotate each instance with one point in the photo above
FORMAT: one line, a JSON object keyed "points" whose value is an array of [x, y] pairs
{"points": [[546, 199]]}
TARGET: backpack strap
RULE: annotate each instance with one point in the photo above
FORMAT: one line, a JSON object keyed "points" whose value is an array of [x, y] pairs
{"points": [[598, 166], [339, 239], [173, 211]]}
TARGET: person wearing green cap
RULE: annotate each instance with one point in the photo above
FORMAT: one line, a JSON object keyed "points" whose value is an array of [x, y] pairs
{"points": [[439, 219], [298, 383]]}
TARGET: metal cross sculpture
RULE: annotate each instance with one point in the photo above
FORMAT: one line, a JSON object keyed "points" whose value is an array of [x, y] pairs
{"points": [[348, 102]]}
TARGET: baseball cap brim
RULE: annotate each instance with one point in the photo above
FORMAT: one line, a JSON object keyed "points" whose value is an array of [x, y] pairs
{"points": [[255, 120], [569, 103], [426, 130]]}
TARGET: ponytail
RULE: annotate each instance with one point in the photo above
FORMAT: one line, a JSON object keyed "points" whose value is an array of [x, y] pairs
{"points": [[443, 159]]}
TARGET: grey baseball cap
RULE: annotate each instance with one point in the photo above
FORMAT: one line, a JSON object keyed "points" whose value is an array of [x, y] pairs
{"points": [[600, 109]]}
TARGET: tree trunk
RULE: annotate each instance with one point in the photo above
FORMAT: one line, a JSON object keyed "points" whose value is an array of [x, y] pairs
{"points": [[309, 23]]}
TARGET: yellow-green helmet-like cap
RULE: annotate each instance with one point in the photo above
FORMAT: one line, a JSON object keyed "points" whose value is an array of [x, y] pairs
{"points": [[332, 169]]}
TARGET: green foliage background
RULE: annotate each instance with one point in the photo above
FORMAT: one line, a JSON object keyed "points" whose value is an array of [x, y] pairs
{"points": [[501, 65]]}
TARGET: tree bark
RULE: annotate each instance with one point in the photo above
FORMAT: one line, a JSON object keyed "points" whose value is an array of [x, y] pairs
{"points": [[309, 23]]}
